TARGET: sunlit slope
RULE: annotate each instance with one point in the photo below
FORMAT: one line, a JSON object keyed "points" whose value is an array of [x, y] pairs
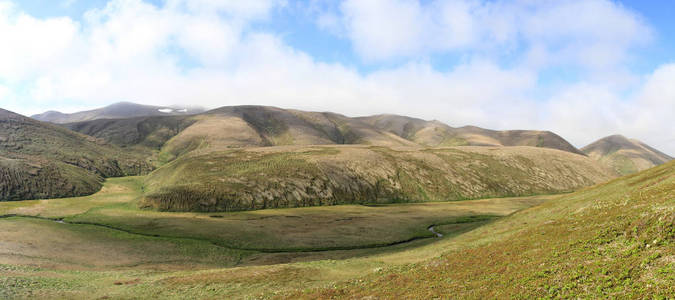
{"points": [[41, 160], [615, 240], [624, 155], [294, 176], [166, 138], [434, 133]]}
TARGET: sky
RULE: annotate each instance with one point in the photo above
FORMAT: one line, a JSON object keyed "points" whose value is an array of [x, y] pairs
{"points": [[583, 69]]}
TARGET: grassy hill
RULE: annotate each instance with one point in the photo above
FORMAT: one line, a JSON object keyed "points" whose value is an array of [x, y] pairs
{"points": [[119, 110], [625, 156], [294, 176], [614, 240], [434, 133], [254, 126], [145, 136], [166, 138], [41, 160]]}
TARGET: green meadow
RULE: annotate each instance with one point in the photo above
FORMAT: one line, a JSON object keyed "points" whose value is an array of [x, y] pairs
{"points": [[105, 245]]}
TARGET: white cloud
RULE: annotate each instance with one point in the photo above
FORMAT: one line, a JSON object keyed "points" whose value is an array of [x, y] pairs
{"points": [[374, 34], [250, 9], [595, 33], [381, 30], [583, 112], [652, 113], [4, 92], [68, 3], [329, 22], [132, 50], [30, 44]]}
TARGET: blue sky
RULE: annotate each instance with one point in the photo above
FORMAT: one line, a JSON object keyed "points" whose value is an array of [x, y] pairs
{"points": [[584, 69], [294, 23]]}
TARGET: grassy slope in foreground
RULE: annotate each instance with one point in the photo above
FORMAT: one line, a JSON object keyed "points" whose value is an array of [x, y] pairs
{"points": [[41, 160], [613, 240], [172, 255], [273, 177]]}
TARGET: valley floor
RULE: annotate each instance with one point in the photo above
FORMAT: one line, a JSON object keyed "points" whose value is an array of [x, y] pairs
{"points": [[104, 246]]}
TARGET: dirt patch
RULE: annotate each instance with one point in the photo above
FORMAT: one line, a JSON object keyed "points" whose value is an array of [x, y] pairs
{"points": [[128, 282]]}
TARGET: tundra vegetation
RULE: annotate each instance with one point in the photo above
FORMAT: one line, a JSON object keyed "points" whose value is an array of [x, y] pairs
{"points": [[615, 239], [168, 137], [298, 176], [262, 202], [55, 162], [41, 160], [104, 245]]}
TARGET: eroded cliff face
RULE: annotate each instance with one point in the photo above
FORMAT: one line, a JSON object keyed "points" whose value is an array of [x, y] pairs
{"points": [[40, 160], [20, 181]]}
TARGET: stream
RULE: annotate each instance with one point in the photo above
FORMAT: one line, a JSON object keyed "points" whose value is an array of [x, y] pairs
{"points": [[263, 250], [431, 228]]}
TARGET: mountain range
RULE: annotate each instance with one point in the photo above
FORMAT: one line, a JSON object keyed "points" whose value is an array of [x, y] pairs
{"points": [[438, 134], [44, 160], [256, 126], [118, 110]]}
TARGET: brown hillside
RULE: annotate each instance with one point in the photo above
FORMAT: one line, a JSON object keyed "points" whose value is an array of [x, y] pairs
{"points": [[434, 133], [234, 127], [165, 138], [624, 155]]}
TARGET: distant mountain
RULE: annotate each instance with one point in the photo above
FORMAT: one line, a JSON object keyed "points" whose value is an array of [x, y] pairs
{"points": [[254, 126], [625, 155], [42, 160], [434, 133], [235, 127], [121, 110]]}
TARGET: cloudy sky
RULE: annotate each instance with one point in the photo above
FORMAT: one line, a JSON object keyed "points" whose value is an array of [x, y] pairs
{"points": [[583, 69]]}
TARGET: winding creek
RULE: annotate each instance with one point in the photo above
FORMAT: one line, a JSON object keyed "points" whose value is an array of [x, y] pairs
{"points": [[431, 228], [223, 245]]}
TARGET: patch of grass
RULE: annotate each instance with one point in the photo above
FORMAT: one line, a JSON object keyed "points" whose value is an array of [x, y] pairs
{"points": [[126, 252], [615, 240], [305, 229], [115, 191], [302, 229], [622, 164], [48, 243]]}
